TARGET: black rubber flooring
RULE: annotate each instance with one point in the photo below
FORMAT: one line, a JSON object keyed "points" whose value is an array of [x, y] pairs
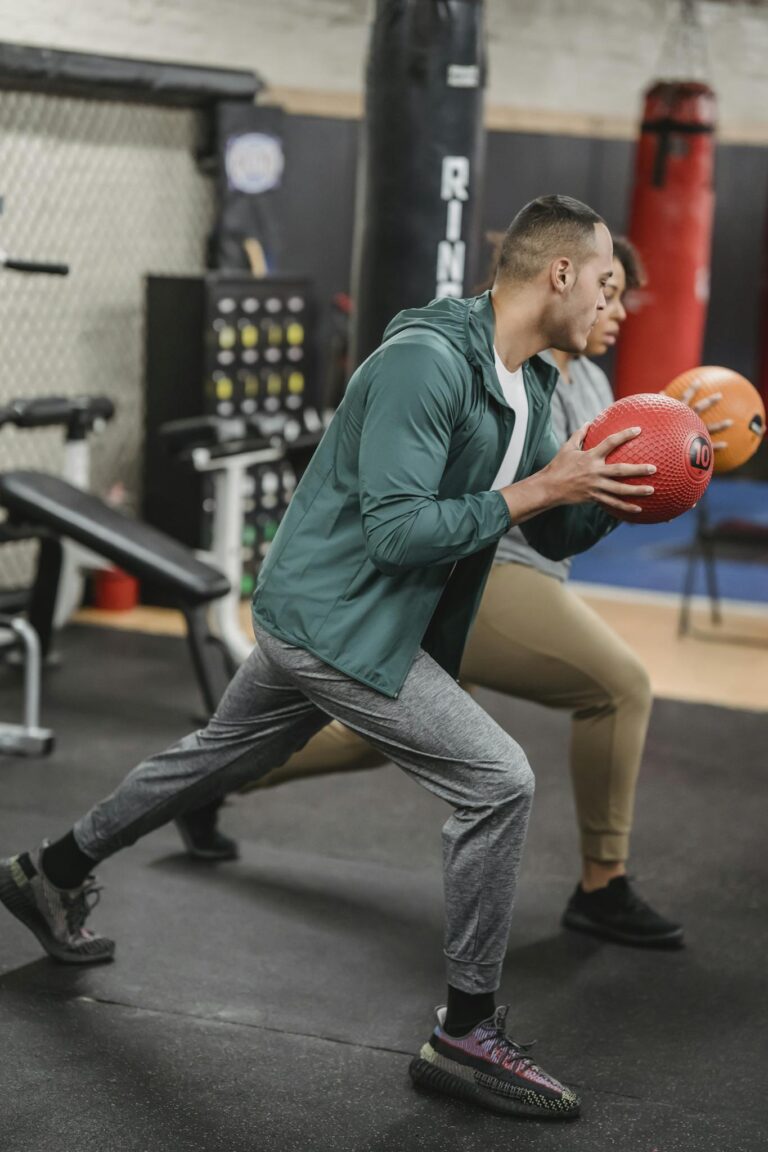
{"points": [[274, 1003]]}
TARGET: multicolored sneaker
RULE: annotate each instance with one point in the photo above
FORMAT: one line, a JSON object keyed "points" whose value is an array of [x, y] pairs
{"points": [[617, 913], [56, 916], [487, 1068]]}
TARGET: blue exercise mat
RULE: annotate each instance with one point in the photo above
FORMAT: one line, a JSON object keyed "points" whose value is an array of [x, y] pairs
{"points": [[652, 557]]}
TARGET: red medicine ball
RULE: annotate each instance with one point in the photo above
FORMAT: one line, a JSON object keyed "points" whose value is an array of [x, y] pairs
{"points": [[673, 438]]}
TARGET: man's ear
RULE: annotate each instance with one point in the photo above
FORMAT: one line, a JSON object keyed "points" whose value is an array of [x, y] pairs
{"points": [[561, 274]]}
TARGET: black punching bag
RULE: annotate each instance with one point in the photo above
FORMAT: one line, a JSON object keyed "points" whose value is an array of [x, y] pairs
{"points": [[419, 186]]}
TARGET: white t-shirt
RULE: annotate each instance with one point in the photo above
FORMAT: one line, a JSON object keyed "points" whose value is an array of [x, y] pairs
{"points": [[513, 387]]}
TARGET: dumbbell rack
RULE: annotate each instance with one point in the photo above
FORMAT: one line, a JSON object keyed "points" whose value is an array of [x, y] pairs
{"points": [[238, 348]]}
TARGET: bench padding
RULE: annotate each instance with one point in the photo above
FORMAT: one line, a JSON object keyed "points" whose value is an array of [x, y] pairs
{"points": [[36, 498]]}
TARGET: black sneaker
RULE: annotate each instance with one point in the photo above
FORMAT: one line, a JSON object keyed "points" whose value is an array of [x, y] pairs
{"points": [[57, 916], [489, 1069], [618, 913], [201, 836]]}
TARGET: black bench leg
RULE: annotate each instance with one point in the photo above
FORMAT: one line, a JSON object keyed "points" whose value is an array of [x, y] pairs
{"points": [[213, 675], [708, 552], [42, 601], [684, 621]]}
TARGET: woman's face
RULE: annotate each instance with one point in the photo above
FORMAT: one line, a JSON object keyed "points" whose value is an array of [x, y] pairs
{"points": [[606, 328]]}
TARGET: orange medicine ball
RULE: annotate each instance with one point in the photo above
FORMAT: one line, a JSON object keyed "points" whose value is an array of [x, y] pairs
{"points": [[741, 403]]}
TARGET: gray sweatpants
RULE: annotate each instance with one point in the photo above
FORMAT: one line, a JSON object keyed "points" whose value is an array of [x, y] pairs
{"points": [[279, 698]]}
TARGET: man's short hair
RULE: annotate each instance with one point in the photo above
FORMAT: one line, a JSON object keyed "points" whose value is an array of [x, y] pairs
{"points": [[546, 228]]}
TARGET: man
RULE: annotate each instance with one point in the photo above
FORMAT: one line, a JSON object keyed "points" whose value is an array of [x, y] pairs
{"points": [[361, 613], [535, 638]]}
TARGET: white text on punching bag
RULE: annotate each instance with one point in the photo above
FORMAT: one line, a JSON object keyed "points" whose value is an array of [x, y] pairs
{"points": [[451, 251]]}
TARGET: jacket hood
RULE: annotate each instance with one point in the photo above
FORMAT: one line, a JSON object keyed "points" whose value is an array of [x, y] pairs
{"points": [[468, 324]]}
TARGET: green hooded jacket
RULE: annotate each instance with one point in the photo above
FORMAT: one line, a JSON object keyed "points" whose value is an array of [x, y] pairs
{"points": [[389, 538]]}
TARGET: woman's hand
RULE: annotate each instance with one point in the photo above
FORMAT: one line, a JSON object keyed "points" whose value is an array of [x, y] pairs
{"points": [[702, 406]]}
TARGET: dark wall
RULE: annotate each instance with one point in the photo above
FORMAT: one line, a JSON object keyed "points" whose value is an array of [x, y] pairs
{"points": [[319, 189], [523, 166], [741, 212]]}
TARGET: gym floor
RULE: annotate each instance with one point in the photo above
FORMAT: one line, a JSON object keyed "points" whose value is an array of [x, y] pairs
{"points": [[275, 1002]]}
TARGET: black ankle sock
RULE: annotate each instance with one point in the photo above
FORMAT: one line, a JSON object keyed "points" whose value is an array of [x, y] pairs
{"points": [[64, 864], [466, 1009]]}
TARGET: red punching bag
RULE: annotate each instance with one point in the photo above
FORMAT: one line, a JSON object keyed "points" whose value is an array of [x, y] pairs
{"points": [[671, 226]]}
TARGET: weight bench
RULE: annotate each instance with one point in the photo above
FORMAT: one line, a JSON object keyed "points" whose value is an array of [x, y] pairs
{"points": [[51, 510], [27, 738]]}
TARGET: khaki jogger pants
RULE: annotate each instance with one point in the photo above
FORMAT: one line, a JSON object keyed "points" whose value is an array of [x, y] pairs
{"points": [[534, 638]]}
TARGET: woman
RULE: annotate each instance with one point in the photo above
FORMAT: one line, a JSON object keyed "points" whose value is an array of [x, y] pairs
{"points": [[536, 639]]}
